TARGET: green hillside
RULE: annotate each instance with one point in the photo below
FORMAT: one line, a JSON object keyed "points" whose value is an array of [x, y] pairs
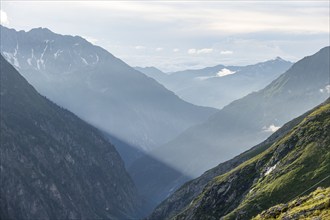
{"points": [[288, 168], [314, 206]]}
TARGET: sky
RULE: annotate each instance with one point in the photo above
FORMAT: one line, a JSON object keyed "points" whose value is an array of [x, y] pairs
{"points": [[178, 35]]}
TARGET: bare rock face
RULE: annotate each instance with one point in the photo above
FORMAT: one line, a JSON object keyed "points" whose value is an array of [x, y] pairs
{"points": [[53, 164]]}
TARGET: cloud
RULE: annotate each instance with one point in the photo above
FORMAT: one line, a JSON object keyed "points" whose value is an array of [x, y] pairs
{"points": [[139, 47], [225, 72], [226, 52], [200, 51], [159, 49], [221, 17], [326, 89], [221, 73], [176, 50], [4, 18], [272, 128], [191, 51]]}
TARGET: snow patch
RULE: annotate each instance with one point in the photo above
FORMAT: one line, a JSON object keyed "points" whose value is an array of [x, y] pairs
{"points": [[97, 59], [84, 61], [41, 61], [12, 59], [57, 53], [29, 60]]}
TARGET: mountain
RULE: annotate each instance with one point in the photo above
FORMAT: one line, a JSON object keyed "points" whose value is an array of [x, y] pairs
{"points": [[219, 85], [248, 120], [152, 72], [289, 164], [53, 164], [184, 196], [316, 205], [292, 166], [100, 88]]}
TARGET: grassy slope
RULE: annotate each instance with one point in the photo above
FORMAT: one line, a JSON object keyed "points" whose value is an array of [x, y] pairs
{"points": [[302, 158], [316, 205], [177, 202]]}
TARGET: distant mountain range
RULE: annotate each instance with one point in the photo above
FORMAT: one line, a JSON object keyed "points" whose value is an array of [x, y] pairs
{"points": [[219, 85], [53, 164], [100, 88], [292, 162], [243, 123]]}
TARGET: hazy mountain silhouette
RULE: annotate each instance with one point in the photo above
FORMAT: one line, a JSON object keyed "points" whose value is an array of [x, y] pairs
{"points": [[187, 193], [219, 85], [53, 164], [248, 120], [293, 165], [99, 88]]}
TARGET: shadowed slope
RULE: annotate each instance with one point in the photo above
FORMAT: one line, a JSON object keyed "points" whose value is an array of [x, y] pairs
{"points": [[53, 164]]}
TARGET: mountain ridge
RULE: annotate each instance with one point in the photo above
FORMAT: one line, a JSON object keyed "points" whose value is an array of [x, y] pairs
{"points": [[269, 177], [249, 120], [219, 85], [190, 190], [53, 164], [117, 99]]}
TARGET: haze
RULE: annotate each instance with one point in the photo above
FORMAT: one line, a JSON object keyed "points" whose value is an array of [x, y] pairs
{"points": [[176, 35]]}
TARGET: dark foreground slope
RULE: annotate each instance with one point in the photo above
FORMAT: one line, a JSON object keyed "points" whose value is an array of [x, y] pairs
{"points": [[54, 165], [190, 190], [297, 162]]}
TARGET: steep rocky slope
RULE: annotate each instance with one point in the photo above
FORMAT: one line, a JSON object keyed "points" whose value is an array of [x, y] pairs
{"points": [[53, 164], [181, 198], [297, 162]]}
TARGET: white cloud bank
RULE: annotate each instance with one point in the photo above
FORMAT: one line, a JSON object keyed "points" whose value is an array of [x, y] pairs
{"points": [[225, 72], [272, 128], [139, 47], [4, 18], [226, 52], [200, 51], [326, 89], [221, 73]]}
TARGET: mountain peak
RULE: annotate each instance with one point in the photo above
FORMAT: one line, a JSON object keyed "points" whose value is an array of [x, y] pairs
{"points": [[41, 30], [279, 58]]}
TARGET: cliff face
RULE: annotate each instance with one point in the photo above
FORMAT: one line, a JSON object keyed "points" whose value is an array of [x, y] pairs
{"points": [[54, 165]]}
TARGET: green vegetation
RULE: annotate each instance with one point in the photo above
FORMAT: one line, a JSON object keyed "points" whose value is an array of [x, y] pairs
{"points": [[314, 206], [293, 165], [303, 159]]}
